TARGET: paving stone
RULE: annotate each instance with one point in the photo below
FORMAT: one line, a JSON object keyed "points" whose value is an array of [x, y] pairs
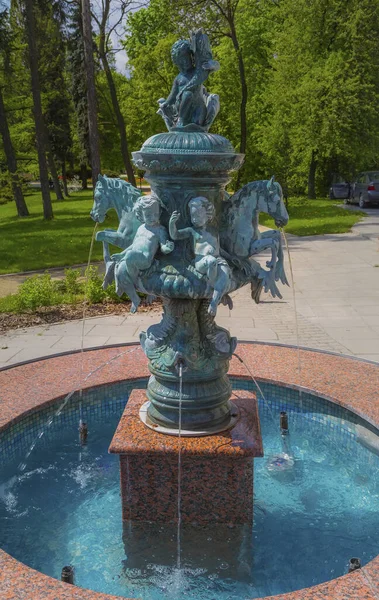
{"points": [[8, 353], [352, 333], [67, 343], [23, 341], [363, 347], [113, 320], [114, 339], [109, 330]]}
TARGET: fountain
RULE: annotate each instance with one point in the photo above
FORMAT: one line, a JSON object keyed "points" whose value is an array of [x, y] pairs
{"points": [[188, 436], [191, 244]]}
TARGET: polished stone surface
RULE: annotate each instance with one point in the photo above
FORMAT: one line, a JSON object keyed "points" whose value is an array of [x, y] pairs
{"points": [[216, 470], [346, 381]]}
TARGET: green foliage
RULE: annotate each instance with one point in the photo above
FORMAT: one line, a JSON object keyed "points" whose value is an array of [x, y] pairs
{"points": [[5, 187], [110, 173], [71, 282], [41, 290], [93, 287], [36, 291], [6, 192], [78, 84], [323, 94], [316, 217], [30, 244], [94, 292]]}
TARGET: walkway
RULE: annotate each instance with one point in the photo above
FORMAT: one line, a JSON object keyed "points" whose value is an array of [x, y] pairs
{"points": [[336, 294]]}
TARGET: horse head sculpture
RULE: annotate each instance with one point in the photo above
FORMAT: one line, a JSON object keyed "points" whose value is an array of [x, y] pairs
{"points": [[101, 200], [273, 203]]}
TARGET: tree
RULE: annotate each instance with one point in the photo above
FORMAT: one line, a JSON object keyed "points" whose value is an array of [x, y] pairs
{"points": [[91, 91], [55, 98], [78, 88], [5, 50], [37, 108], [323, 95], [105, 31]]}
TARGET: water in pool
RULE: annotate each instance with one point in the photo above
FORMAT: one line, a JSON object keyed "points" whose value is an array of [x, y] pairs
{"points": [[309, 519]]}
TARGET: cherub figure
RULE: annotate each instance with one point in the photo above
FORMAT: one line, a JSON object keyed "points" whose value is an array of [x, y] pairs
{"points": [[140, 254], [206, 248], [188, 102]]}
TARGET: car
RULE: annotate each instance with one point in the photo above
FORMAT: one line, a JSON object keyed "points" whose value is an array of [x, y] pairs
{"points": [[339, 190], [365, 189]]}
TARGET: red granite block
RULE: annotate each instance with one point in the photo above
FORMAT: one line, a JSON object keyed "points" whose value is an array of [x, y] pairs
{"points": [[216, 471]]}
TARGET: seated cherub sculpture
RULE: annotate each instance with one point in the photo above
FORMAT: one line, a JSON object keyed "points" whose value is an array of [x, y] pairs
{"points": [[188, 102], [140, 254], [206, 248]]}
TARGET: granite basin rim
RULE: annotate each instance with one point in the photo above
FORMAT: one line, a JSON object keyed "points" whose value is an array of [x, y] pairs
{"points": [[349, 382]]}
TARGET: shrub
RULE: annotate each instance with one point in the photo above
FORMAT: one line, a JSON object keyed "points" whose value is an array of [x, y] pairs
{"points": [[110, 173], [71, 282], [94, 292], [110, 293], [36, 291], [9, 304]]}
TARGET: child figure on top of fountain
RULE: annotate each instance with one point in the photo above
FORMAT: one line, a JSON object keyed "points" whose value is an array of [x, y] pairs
{"points": [[188, 102], [205, 246], [140, 254]]}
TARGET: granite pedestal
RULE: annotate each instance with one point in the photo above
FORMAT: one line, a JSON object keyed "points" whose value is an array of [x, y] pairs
{"points": [[216, 470]]}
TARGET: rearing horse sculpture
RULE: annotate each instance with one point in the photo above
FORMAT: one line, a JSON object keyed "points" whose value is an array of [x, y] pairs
{"points": [[240, 236], [120, 195]]}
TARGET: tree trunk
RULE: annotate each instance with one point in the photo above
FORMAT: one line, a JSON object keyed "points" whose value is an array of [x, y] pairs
{"points": [[37, 110], [91, 92], [22, 209], [83, 176], [244, 92], [120, 120], [312, 177], [64, 179], [54, 173]]}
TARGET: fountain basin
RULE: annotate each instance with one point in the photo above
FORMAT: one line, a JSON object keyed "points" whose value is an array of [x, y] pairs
{"points": [[27, 388]]}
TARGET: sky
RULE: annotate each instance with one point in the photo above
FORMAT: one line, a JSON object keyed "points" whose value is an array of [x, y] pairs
{"points": [[121, 56]]}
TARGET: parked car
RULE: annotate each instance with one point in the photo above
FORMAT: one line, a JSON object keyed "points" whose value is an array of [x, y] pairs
{"points": [[339, 190], [365, 189]]}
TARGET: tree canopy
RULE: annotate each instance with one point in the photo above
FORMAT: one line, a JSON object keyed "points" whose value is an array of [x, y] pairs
{"points": [[298, 83]]}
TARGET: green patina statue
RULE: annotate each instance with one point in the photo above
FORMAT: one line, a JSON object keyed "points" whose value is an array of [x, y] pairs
{"points": [[191, 244], [189, 105]]}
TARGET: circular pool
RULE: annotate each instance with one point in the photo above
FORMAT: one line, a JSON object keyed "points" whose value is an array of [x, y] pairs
{"points": [[316, 494]]}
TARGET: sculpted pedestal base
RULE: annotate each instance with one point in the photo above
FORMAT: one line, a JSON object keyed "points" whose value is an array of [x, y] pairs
{"points": [[216, 471]]}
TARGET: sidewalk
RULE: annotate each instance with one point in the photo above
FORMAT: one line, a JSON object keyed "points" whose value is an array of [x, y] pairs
{"points": [[336, 295]]}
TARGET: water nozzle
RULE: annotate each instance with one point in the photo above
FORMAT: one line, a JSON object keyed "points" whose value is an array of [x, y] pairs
{"points": [[68, 574], [239, 358], [354, 564], [180, 364], [83, 432], [283, 423]]}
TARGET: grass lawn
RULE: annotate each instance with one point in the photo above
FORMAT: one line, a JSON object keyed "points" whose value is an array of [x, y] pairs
{"points": [[32, 243], [316, 217]]}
